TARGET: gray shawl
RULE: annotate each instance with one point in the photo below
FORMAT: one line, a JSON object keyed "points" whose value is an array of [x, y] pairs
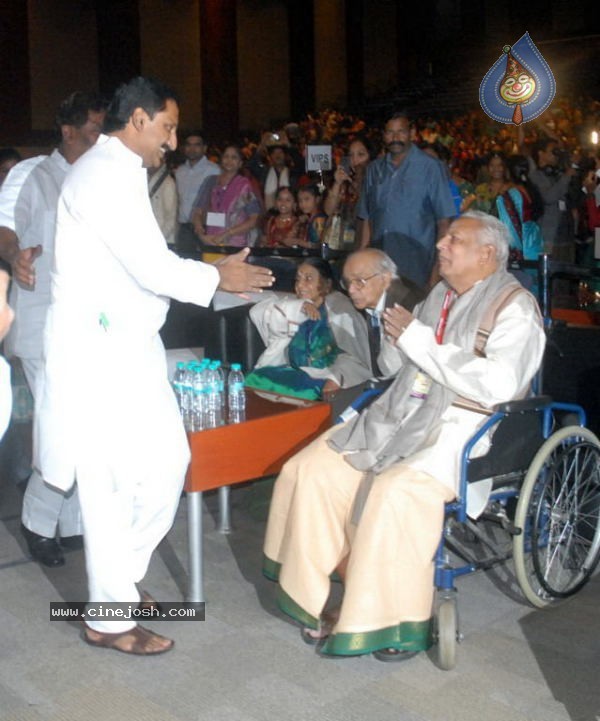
{"points": [[383, 434]]}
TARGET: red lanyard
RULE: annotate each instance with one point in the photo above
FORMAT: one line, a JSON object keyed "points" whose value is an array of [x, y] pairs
{"points": [[443, 321]]}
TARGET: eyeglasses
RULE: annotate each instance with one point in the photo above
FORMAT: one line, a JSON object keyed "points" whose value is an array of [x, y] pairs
{"points": [[360, 283]]}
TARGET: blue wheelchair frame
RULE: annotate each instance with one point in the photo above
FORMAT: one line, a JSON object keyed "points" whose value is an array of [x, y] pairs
{"points": [[446, 574]]}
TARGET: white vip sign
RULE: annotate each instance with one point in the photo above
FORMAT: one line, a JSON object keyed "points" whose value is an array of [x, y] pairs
{"points": [[318, 157]]}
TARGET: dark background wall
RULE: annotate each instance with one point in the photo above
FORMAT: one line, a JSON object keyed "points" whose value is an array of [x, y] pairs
{"points": [[250, 63]]}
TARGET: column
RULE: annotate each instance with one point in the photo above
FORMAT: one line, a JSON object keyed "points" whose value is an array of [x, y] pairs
{"points": [[355, 63], [15, 111], [118, 43], [218, 67], [302, 56]]}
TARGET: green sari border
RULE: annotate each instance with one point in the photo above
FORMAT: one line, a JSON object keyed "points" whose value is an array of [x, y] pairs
{"points": [[285, 602], [271, 569], [406, 636], [291, 608]]}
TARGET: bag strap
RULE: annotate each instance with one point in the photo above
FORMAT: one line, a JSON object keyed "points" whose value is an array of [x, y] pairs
{"points": [[490, 317], [161, 179], [486, 326]]}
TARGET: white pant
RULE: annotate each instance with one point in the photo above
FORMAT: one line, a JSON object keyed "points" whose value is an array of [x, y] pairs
{"points": [[46, 508], [124, 519]]}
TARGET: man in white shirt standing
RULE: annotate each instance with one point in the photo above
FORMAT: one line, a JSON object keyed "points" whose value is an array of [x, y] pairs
{"points": [[189, 177], [108, 415], [27, 224]]}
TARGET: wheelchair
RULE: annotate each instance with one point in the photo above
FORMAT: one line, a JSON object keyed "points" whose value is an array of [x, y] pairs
{"points": [[545, 495]]}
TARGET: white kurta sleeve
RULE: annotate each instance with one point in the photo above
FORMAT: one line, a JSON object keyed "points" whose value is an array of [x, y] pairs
{"points": [[11, 189], [132, 235], [513, 354]]}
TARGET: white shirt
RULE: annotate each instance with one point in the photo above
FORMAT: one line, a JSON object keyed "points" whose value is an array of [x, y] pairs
{"points": [[12, 187], [33, 220], [105, 389], [189, 178]]}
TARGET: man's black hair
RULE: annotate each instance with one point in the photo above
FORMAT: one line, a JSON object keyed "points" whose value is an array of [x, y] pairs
{"points": [[147, 93], [400, 115], [74, 109]]}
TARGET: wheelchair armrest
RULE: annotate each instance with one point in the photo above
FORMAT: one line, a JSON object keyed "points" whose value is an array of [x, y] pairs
{"points": [[537, 403]]}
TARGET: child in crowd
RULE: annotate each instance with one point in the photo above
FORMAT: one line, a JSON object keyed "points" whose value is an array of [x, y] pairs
{"points": [[312, 219], [282, 228]]}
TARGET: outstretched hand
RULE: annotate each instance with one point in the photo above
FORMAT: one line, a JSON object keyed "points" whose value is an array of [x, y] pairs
{"points": [[22, 267], [237, 276]]}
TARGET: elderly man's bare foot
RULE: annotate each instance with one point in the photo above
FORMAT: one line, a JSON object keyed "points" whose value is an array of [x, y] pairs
{"points": [[138, 640]]}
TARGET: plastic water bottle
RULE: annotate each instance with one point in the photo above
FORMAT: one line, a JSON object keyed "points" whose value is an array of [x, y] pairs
{"points": [[187, 396], [198, 394], [214, 416], [178, 384], [236, 394], [221, 385]]}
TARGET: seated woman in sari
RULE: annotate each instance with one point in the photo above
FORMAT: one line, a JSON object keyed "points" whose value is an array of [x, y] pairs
{"points": [[226, 209], [316, 341]]}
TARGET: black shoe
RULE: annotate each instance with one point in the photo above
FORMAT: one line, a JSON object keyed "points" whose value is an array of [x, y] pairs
{"points": [[393, 654], [43, 550], [73, 543]]}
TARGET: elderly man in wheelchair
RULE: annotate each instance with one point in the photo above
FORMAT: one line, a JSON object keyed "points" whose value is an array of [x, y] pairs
{"points": [[366, 501]]}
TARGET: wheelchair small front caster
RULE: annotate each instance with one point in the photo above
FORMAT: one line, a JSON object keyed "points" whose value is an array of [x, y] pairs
{"points": [[447, 633]]}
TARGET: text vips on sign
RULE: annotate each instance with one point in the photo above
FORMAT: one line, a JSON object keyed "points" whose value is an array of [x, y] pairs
{"points": [[318, 157]]}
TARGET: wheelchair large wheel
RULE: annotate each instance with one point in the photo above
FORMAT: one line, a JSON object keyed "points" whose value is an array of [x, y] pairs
{"points": [[558, 512], [447, 633]]}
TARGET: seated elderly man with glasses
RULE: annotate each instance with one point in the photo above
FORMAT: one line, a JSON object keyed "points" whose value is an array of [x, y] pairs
{"points": [[371, 279], [366, 499]]}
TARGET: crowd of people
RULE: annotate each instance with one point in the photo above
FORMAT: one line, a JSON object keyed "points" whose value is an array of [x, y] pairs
{"points": [[537, 179], [431, 213]]}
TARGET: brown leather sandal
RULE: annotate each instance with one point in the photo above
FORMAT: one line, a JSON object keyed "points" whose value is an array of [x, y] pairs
{"points": [[138, 641]]}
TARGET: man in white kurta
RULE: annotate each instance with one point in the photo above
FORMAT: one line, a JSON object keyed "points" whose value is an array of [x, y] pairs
{"points": [[381, 539], [107, 413], [28, 204]]}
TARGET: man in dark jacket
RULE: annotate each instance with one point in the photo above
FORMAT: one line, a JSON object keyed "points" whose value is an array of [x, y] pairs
{"points": [[371, 279]]}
